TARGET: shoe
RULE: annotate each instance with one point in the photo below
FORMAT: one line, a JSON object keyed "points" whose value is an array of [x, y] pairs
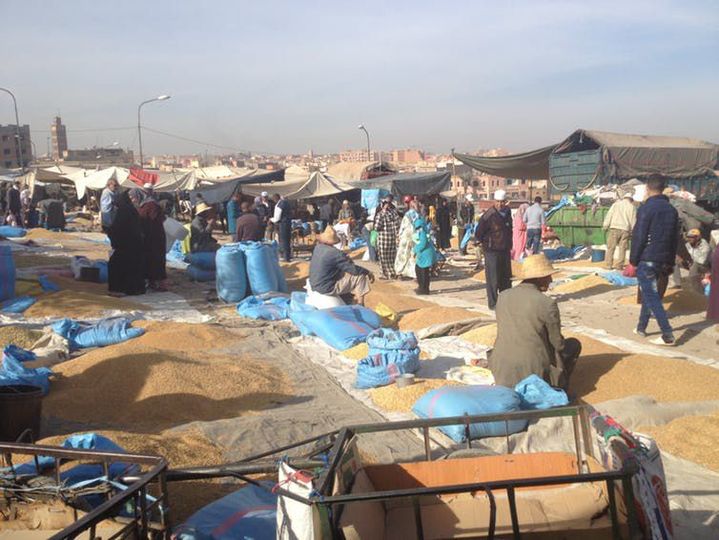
{"points": [[639, 332], [664, 341]]}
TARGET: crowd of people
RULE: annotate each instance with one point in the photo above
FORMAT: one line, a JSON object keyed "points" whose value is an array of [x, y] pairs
{"points": [[19, 208]]}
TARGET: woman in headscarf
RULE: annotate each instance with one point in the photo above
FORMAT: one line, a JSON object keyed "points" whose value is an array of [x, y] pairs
{"points": [[126, 268], [444, 224], [151, 220], [404, 264], [386, 223], [425, 255], [519, 233]]}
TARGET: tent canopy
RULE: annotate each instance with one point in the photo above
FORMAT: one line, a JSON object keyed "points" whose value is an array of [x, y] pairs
{"points": [[316, 186], [409, 184], [532, 165], [221, 192]]}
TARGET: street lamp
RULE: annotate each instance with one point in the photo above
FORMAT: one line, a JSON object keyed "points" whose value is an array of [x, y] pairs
{"points": [[361, 126], [17, 127], [139, 126]]}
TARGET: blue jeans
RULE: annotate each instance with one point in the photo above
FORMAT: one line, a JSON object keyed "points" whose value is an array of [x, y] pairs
{"points": [[647, 274], [534, 240]]}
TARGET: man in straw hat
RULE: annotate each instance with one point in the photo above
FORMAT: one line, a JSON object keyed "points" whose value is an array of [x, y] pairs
{"points": [[618, 224], [201, 229], [494, 232], [333, 272], [529, 331]]}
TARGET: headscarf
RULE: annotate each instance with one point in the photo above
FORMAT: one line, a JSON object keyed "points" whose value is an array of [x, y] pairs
{"points": [[136, 193]]}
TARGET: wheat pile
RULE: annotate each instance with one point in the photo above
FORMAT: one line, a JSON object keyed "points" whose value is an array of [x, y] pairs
{"points": [[691, 437], [32, 261], [604, 372], [675, 300], [360, 351], [429, 316], [127, 386], [484, 335], [79, 305], [482, 275], [172, 336], [394, 297], [395, 399], [18, 335], [296, 274], [592, 283]]}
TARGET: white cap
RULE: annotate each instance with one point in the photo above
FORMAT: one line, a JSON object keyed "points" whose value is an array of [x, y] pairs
{"points": [[264, 194], [468, 197], [500, 195], [148, 186]]}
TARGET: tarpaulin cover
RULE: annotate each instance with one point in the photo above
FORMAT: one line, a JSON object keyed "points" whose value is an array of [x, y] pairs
{"points": [[533, 165], [17, 304], [371, 197], [340, 327], [276, 308], [105, 332], [8, 231], [248, 513], [618, 279], [7, 273], [222, 192], [300, 184], [200, 274], [391, 353], [627, 156], [472, 400], [409, 184], [13, 372], [535, 393]]}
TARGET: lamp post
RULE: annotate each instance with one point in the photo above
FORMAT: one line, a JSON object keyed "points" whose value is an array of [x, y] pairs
{"points": [[17, 128], [361, 127], [139, 125]]}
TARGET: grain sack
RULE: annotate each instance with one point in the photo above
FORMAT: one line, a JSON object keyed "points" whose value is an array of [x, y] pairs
{"points": [[7, 274]]}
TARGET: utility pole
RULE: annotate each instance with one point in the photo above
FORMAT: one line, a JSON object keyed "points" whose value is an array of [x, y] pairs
{"points": [[18, 153], [369, 154], [139, 124]]}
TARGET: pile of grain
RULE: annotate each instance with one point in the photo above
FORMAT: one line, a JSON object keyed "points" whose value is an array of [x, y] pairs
{"points": [[358, 352], [79, 305], [604, 372], [172, 336], [676, 301], [31, 261], [396, 399], [296, 274], [18, 335], [28, 287], [429, 316], [482, 275], [484, 335], [394, 297], [691, 437], [127, 386], [593, 284]]}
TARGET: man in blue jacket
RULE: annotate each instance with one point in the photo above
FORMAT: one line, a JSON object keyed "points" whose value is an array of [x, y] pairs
{"points": [[653, 252]]}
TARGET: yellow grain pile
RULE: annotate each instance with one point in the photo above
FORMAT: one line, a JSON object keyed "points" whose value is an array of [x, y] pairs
{"points": [[31, 261], [604, 372], [394, 297], [691, 437], [422, 318], [40, 233], [675, 300], [296, 274], [395, 399], [28, 287], [127, 386], [358, 352], [482, 275], [593, 283], [172, 336], [78, 305], [484, 335], [18, 335]]}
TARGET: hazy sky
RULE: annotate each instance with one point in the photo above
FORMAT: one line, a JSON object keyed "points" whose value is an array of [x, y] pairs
{"points": [[290, 76]]}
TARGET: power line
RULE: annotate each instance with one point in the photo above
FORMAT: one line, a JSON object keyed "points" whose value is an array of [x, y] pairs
{"points": [[88, 130], [205, 143]]}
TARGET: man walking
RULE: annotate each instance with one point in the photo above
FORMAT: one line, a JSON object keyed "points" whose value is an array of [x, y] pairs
{"points": [[494, 232], [108, 205], [618, 224], [282, 219], [534, 220], [654, 249]]}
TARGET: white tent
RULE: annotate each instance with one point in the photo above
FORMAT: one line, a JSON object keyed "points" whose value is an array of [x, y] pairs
{"points": [[317, 185]]}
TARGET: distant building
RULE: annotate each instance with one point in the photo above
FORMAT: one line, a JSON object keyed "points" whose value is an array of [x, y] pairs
{"points": [[355, 156], [59, 139], [9, 146], [109, 156], [409, 155]]}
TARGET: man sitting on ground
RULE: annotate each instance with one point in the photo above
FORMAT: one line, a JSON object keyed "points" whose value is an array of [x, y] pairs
{"points": [[248, 227], [698, 262], [333, 272], [529, 331]]}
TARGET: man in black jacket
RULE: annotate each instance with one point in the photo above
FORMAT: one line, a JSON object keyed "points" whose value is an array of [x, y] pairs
{"points": [[653, 252], [494, 231]]}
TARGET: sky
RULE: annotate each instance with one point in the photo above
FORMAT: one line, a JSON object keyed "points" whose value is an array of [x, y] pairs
{"points": [[287, 77]]}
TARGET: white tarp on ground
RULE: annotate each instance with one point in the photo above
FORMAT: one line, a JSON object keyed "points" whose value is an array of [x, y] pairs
{"points": [[300, 185]]}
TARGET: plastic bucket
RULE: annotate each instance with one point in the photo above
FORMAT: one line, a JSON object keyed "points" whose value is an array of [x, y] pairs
{"points": [[598, 255], [20, 409]]}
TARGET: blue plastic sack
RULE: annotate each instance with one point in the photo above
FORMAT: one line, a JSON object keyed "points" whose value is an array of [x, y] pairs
{"points": [[558, 254], [448, 401], [536, 393], [13, 372], [204, 260], [269, 309], [106, 332], [298, 302], [231, 274], [263, 268], [7, 274], [391, 353], [248, 513], [340, 327], [17, 304], [12, 232], [357, 242], [469, 231], [616, 278], [46, 284], [198, 274]]}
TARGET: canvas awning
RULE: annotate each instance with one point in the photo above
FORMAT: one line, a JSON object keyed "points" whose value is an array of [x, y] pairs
{"points": [[317, 185], [409, 183], [532, 165], [221, 192]]}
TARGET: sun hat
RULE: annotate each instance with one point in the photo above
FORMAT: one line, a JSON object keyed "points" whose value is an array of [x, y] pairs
{"points": [[202, 207], [328, 236], [694, 233], [536, 266], [500, 195]]}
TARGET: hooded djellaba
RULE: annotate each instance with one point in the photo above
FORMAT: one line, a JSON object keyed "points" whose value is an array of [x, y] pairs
{"points": [[126, 268]]}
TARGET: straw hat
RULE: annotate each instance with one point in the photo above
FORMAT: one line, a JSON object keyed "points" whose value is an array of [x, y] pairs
{"points": [[329, 236], [202, 207], [536, 266], [694, 233]]}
